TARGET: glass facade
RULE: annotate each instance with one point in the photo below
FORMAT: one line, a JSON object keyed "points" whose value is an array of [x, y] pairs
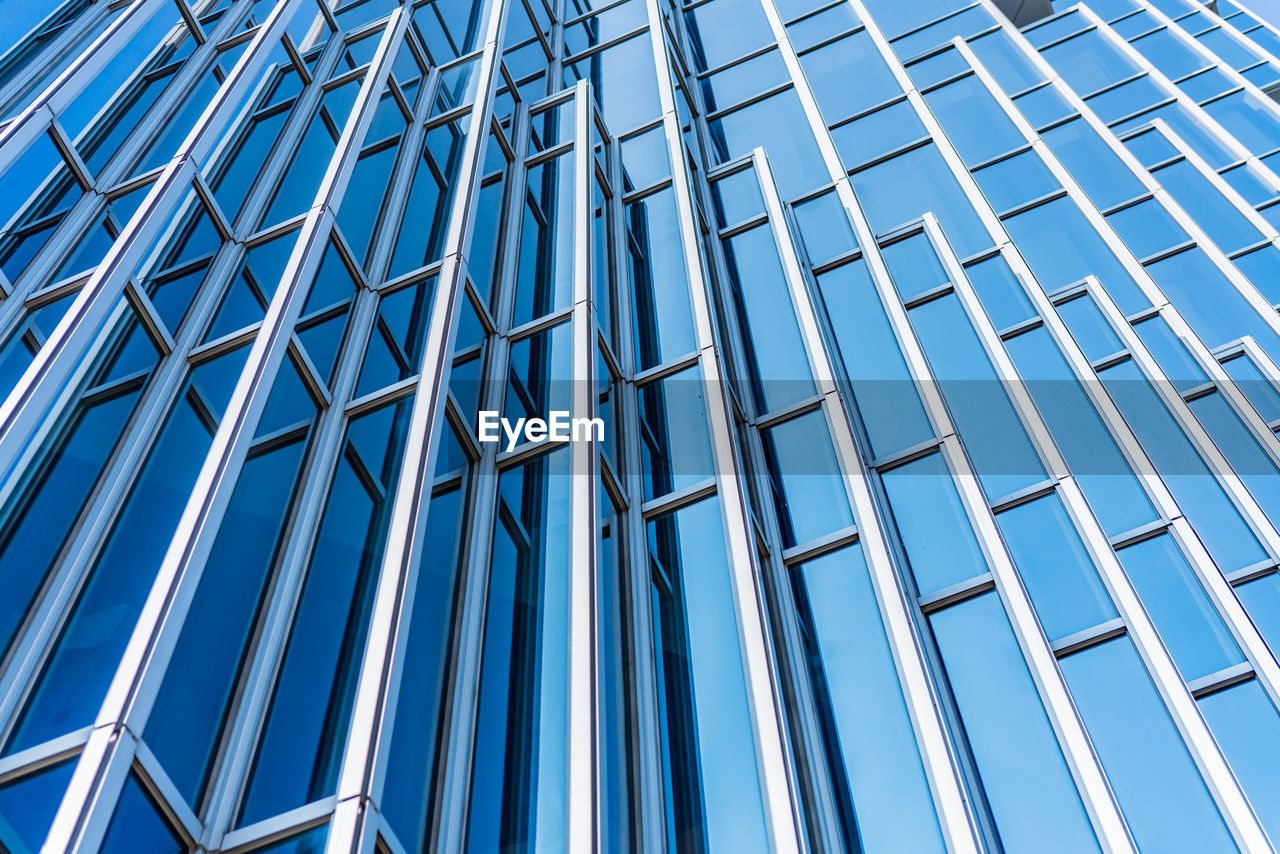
{"points": [[929, 355]]}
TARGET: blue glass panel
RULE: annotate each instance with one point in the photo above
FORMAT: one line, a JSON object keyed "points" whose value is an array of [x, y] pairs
{"points": [[659, 283], [76, 676], [1062, 248], [773, 123], [828, 68], [1099, 170], [1024, 776], [1201, 499], [1191, 629], [1015, 181], [1159, 789], [1257, 388], [1089, 328], [870, 744], [997, 443], [675, 442], [1058, 573], [28, 805], [876, 134], [1000, 292], [713, 788], [410, 771], [771, 335], [1004, 58], [189, 715], [935, 530], [903, 188], [973, 120], [303, 735], [723, 30], [1245, 724], [1088, 62], [1147, 228], [808, 486], [1220, 219], [1243, 452], [876, 374], [136, 826], [824, 227]]}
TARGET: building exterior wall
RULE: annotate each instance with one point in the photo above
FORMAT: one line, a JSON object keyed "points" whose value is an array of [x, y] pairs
{"points": [[937, 505]]}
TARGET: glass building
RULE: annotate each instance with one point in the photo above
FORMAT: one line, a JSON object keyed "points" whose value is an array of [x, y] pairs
{"points": [[935, 343]]}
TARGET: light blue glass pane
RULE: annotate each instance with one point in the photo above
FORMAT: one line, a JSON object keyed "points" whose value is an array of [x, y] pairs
{"points": [[660, 291], [1224, 224], [739, 82], [775, 123], [1257, 388], [997, 443], [1247, 119], [808, 484], [903, 188], [1044, 105], [821, 26], [868, 731], [1088, 62], [1104, 475], [1245, 725], [1000, 292], [1171, 354], [1015, 181], [1192, 130], [737, 197], [1168, 54], [1057, 571], [1004, 58], [776, 357], [1261, 598], [1157, 785], [915, 267], [726, 29], [1243, 452], [1147, 228], [1089, 328], [1022, 771], [1215, 309], [1262, 267], [688, 546], [877, 134], [875, 371], [824, 228], [972, 119], [1062, 248], [676, 444], [1099, 170], [935, 530], [1248, 182], [1191, 629]]}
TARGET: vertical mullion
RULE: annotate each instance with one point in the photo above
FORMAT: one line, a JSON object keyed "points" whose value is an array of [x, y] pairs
{"points": [[584, 474]]}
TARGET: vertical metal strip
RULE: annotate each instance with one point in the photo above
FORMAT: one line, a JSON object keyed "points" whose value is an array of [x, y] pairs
{"points": [[584, 527]]}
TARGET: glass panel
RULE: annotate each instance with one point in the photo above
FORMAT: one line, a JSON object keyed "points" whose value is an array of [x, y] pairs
{"points": [[808, 488], [1024, 776], [712, 784], [932, 522], [866, 728], [1057, 571], [1158, 787], [137, 827]]}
